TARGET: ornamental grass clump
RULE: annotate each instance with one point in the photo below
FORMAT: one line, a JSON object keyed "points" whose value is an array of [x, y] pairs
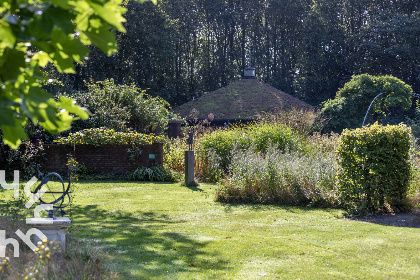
{"points": [[173, 156], [218, 148], [303, 121], [375, 169], [283, 178], [414, 190]]}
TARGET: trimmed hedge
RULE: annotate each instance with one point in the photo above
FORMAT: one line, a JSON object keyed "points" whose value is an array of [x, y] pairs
{"points": [[101, 136], [374, 172]]}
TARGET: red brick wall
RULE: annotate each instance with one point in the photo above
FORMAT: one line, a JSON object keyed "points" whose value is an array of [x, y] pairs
{"points": [[104, 159]]}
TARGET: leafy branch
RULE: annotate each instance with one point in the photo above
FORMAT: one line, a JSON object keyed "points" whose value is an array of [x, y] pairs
{"points": [[36, 33]]}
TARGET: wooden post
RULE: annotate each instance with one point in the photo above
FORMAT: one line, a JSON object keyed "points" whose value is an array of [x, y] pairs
{"points": [[189, 168]]}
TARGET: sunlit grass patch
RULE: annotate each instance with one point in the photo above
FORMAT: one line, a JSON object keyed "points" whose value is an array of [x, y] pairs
{"points": [[167, 231]]}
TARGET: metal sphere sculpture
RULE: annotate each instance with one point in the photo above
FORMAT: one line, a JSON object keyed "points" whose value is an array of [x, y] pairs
{"points": [[57, 194]]}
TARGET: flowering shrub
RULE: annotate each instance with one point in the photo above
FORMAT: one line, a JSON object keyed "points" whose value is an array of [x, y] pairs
{"points": [[41, 262], [101, 136], [4, 267]]}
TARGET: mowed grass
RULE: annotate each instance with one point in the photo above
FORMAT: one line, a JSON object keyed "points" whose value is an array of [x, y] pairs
{"points": [[168, 231]]}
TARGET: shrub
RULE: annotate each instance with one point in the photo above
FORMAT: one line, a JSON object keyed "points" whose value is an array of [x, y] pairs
{"points": [[155, 173], [101, 136], [221, 143], [414, 121], [374, 171], [414, 191], [28, 159], [348, 108], [207, 166], [173, 157], [122, 107], [284, 178], [217, 148]]}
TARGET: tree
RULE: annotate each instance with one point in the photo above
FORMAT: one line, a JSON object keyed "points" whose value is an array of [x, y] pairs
{"points": [[348, 108], [392, 46], [178, 49], [35, 33]]}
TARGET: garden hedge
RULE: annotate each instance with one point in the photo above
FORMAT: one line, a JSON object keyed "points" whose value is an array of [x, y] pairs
{"points": [[374, 172]]}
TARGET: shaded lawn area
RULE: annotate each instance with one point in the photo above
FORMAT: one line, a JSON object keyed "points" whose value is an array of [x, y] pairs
{"points": [[167, 231]]}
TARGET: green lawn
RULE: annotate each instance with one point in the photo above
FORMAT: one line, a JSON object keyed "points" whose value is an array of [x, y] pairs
{"points": [[167, 231]]}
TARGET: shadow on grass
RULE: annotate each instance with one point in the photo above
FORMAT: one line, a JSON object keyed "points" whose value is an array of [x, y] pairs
{"points": [[142, 245], [87, 181], [268, 207], [411, 220], [195, 188]]}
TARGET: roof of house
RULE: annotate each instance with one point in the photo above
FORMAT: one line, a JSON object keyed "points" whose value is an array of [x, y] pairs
{"points": [[246, 98]]}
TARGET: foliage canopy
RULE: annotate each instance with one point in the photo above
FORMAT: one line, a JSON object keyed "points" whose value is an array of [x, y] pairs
{"points": [[35, 33], [352, 101], [306, 48]]}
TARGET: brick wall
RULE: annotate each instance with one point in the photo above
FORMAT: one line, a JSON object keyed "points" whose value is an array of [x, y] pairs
{"points": [[104, 159]]}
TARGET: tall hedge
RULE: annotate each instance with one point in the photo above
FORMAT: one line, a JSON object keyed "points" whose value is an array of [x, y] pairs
{"points": [[374, 172]]}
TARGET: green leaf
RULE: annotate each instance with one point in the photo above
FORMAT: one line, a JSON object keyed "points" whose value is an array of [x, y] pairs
{"points": [[83, 14], [67, 49], [8, 39], [36, 100], [111, 13], [42, 58], [71, 106], [62, 3], [103, 39], [61, 19], [7, 116], [10, 63], [12, 135]]}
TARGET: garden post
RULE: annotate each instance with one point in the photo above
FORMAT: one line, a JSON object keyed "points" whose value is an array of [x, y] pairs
{"points": [[189, 161], [189, 168]]}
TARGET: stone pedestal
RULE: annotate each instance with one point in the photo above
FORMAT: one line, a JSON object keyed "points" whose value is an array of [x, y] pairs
{"points": [[55, 230], [189, 168]]}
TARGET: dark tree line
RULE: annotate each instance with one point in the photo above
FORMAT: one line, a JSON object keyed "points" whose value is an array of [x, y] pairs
{"points": [[308, 48]]}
